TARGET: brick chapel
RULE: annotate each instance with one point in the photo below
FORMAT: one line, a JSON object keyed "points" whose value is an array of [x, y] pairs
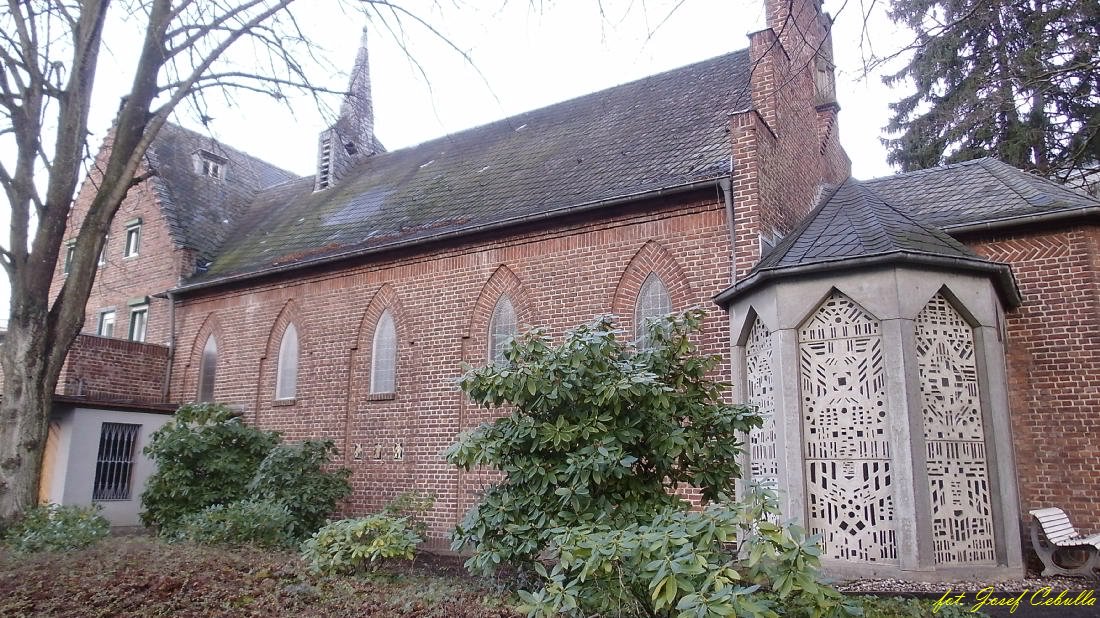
{"points": [[924, 347]]}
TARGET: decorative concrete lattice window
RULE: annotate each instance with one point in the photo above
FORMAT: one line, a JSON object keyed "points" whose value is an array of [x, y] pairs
{"points": [[763, 464], [849, 489], [114, 466], [954, 437], [286, 379], [383, 358], [208, 369], [653, 303], [502, 327]]}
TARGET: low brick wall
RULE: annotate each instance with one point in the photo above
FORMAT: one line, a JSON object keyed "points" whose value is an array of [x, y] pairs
{"points": [[105, 369]]}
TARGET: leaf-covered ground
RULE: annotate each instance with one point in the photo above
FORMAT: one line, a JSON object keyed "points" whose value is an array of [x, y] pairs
{"points": [[141, 576]]}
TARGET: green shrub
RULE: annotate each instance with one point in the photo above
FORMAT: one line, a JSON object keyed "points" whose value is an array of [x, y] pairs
{"points": [[56, 528], [246, 522], [294, 475], [414, 507], [599, 432], [726, 560], [351, 545], [205, 455]]}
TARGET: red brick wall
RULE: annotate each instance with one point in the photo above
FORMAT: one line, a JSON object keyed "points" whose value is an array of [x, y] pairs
{"points": [[114, 370], [1053, 354], [155, 269], [441, 301], [785, 147]]}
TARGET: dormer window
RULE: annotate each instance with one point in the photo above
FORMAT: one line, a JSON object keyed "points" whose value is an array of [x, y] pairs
{"points": [[209, 164]]}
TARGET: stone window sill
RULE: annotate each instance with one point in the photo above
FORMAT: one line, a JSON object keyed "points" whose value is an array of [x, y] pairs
{"points": [[381, 396], [284, 402]]}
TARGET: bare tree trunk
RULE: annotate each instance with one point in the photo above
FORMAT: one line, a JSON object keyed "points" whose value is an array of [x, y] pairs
{"points": [[24, 417]]}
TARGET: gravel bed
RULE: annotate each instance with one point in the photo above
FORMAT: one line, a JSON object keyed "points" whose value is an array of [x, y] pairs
{"points": [[1017, 585]]}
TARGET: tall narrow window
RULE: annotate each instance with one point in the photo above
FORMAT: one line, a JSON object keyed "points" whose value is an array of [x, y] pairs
{"points": [[70, 251], [653, 303], [106, 324], [208, 368], [383, 370], [286, 383], [103, 251], [502, 327], [133, 240], [114, 465], [139, 317]]}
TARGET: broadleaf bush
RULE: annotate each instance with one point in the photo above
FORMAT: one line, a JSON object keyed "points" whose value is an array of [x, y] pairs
{"points": [[262, 523], [208, 456], [414, 507], [729, 559], [205, 455], [599, 432], [295, 476], [52, 527], [353, 545]]}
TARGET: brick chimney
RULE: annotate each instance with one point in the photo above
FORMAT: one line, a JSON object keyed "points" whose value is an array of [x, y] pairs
{"points": [[786, 144], [351, 138]]}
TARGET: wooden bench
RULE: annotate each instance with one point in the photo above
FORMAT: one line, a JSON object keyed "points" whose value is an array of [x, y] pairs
{"points": [[1052, 531]]}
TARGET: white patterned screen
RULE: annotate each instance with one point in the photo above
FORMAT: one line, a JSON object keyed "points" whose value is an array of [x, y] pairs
{"points": [[763, 465], [846, 450], [958, 480]]}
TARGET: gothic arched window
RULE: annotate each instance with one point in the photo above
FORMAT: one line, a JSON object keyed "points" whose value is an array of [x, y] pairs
{"points": [[383, 372], [208, 368], [502, 327], [653, 303], [286, 382]]}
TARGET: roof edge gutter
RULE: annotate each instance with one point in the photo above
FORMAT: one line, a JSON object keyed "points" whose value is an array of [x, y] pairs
{"points": [[1004, 280], [1011, 222], [466, 231]]}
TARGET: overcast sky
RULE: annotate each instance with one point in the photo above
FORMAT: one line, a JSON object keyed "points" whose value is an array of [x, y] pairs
{"points": [[523, 57]]}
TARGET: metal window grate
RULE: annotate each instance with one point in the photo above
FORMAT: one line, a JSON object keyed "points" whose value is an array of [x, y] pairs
{"points": [[115, 464]]}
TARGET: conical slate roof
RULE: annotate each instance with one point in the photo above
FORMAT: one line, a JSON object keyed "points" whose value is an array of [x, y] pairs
{"points": [[853, 226]]}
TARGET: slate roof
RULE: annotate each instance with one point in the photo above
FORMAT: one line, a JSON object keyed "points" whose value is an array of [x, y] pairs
{"points": [[201, 210], [853, 221], [660, 132], [977, 191]]}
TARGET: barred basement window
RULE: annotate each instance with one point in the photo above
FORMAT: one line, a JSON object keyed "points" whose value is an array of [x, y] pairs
{"points": [[114, 467]]}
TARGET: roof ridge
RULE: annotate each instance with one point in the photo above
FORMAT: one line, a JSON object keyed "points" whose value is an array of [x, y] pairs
{"points": [[447, 137], [219, 142], [927, 170]]}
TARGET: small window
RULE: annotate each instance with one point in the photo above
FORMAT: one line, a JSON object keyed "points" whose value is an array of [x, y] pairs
{"points": [[209, 164], [286, 382], [502, 327], [103, 251], [114, 466], [208, 368], [383, 356], [653, 303], [139, 317], [106, 326], [133, 241], [70, 251]]}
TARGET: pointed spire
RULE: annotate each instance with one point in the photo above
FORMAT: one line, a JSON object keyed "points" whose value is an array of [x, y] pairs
{"points": [[352, 136]]}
